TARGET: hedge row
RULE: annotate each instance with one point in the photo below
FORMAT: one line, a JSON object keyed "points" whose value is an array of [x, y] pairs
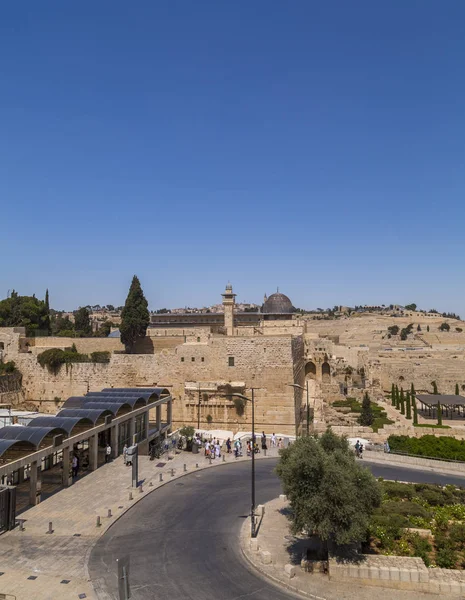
{"points": [[54, 358], [429, 445]]}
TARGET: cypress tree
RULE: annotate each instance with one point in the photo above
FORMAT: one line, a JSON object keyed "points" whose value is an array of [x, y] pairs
{"points": [[415, 413], [457, 391], [47, 323], [435, 388], [402, 402], [366, 416], [397, 398], [408, 412], [135, 317], [393, 395], [439, 414], [412, 390]]}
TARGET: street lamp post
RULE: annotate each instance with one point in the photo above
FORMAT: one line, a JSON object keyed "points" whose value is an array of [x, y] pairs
{"points": [[198, 411], [252, 510], [301, 387]]}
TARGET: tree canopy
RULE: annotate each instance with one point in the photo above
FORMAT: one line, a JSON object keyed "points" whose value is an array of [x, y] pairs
{"points": [[24, 311], [412, 307], [82, 320], [330, 494], [135, 316]]}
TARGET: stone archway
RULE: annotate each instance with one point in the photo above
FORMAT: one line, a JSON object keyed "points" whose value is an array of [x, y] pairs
{"points": [[310, 370], [326, 372]]}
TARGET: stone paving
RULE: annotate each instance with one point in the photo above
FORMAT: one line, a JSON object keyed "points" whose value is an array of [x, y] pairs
{"points": [[284, 549], [51, 559]]}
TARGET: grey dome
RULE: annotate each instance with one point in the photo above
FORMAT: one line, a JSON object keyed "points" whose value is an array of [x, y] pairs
{"points": [[278, 304]]}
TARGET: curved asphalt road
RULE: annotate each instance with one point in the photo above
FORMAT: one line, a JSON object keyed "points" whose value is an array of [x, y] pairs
{"points": [[183, 538]]}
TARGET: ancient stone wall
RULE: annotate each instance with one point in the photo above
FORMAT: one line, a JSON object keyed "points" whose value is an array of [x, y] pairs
{"points": [[265, 364], [84, 345]]}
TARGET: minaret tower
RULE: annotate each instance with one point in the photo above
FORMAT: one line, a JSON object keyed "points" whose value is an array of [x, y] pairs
{"points": [[228, 303]]}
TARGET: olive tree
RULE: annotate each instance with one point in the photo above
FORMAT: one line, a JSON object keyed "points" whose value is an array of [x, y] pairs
{"points": [[330, 494]]}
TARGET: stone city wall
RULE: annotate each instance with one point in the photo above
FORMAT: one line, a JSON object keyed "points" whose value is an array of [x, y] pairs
{"points": [[265, 364]]}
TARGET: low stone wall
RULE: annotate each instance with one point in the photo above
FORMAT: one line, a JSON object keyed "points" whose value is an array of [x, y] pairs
{"points": [[401, 573], [413, 461], [278, 561]]}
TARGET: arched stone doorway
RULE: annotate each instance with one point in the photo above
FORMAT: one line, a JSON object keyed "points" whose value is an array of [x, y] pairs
{"points": [[326, 372], [310, 370]]}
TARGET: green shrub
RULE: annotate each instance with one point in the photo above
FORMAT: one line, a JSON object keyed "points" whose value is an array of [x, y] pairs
{"points": [[446, 558], [54, 358], [429, 445], [394, 524], [187, 431], [457, 535], [100, 357], [420, 547], [393, 489], [406, 508], [7, 368]]}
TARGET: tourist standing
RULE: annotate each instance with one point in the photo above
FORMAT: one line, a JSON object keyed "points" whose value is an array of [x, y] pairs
{"points": [[264, 446], [273, 440], [217, 449], [125, 454], [107, 453], [228, 446], [75, 466], [207, 449]]}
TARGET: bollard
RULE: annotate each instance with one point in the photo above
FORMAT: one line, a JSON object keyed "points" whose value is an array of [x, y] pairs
{"points": [[141, 489], [151, 484], [161, 476], [109, 515], [172, 472], [264, 450], [50, 527], [210, 459], [224, 458], [98, 522], [196, 465], [130, 496], [185, 468], [21, 525]]}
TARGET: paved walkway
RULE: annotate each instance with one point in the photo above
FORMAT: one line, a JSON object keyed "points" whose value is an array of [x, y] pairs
{"points": [[57, 562], [274, 537]]}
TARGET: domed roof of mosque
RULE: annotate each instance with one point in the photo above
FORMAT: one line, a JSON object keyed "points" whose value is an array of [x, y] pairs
{"points": [[278, 304]]}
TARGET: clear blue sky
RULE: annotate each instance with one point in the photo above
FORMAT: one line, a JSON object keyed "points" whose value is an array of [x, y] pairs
{"points": [[318, 146]]}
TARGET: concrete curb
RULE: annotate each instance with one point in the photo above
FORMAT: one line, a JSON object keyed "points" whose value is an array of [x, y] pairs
{"points": [[147, 491], [280, 583]]}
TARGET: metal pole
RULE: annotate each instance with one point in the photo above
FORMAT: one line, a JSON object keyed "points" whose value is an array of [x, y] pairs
{"points": [[198, 412], [308, 414], [252, 512]]}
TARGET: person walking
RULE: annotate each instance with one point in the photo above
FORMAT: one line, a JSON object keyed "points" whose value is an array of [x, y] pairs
{"points": [[273, 440], [264, 446], [207, 449], [228, 446], [125, 454], [107, 453], [217, 449]]}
